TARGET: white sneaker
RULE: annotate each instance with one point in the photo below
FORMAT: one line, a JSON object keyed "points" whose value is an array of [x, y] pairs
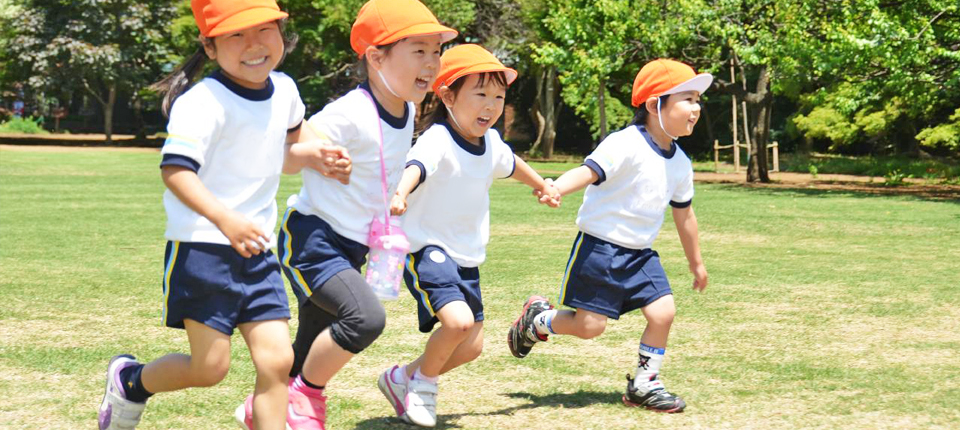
{"points": [[392, 390], [421, 403], [116, 412]]}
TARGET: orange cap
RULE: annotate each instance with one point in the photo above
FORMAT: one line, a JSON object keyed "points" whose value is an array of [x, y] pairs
{"points": [[662, 77], [462, 60], [382, 22], [216, 17]]}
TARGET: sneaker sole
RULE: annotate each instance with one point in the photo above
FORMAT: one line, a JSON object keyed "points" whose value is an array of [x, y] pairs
{"points": [[628, 403], [513, 328]]}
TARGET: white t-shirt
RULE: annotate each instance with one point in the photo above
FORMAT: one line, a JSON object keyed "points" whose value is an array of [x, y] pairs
{"points": [[353, 122], [233, 137], [637, 181], [450, 208]]}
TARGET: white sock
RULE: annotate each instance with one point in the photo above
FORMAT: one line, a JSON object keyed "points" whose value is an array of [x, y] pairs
{"points": [[399, 375], [430, 379], [544, 321], [648, 366]]}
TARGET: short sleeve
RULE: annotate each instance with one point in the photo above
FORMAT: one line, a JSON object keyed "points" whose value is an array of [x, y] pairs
{"points": [[683, 195], [606, 160], [504, 162], [427, 153], [336, 122], [194, 124], [297, 112]]}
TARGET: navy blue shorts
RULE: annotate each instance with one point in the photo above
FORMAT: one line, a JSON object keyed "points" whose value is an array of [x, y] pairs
{"points": [[611, 280], [311, 252], [214, 285], [434, 280]]}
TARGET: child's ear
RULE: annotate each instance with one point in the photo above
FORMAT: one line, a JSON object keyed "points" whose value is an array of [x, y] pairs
{"points": [[651, 105], [446, 95], [209, 48], [374, 57]]}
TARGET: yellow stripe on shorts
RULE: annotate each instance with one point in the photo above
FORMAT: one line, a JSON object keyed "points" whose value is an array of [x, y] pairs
{"points": [[288, 250], [416, 285], [566, 273], [167, 274]]}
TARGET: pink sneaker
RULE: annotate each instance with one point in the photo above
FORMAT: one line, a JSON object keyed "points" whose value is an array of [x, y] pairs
{"points": [[307, 409]]}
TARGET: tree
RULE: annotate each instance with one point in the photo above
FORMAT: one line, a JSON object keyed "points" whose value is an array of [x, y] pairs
{"points": [[889, 78], [101, 47]]}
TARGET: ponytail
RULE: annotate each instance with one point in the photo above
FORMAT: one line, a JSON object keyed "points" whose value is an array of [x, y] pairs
{"points": [[177, 82]]}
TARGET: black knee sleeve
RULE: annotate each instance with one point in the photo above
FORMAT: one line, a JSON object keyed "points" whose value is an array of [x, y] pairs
{"points": [[360, 316]]}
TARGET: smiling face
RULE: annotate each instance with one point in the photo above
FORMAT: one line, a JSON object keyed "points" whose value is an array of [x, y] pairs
{"points": [[248, 56], [410, 67], [680, 113], [477, 104]]}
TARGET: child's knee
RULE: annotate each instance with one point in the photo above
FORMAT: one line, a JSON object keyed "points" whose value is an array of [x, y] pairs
{"points": [[458, 325], [274, 362], [661, 316], [592, 328], [356, 332], [209, 374]]}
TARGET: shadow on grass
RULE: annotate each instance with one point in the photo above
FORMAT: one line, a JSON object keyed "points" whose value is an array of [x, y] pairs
{"points": [[926, 193], [579, 399]]}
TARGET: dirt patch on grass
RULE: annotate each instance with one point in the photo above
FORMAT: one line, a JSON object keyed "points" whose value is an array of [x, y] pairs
{"points": [[834, 182]]}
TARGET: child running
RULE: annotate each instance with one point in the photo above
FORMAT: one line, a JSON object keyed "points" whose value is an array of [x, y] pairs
{"points": [[324, 233], [630, 179], [221, 164], [451, 167]]}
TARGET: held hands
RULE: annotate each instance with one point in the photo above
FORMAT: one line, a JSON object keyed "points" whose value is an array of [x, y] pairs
{"points": [[699, 272], [326, 158], [398, 205], [245, 237], [549, 194]]}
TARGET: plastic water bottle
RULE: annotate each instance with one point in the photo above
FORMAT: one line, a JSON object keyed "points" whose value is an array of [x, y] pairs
{"points": [[388, 254]]}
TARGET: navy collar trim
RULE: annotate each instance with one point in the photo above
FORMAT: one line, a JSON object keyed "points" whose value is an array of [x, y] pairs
{"points": [[464, 143], [656, 148], [260, 95], [393, 121]]}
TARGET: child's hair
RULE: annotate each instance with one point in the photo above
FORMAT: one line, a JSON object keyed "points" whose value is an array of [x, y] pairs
{"points": [[640, 118], [360, 67], [439, 114], [178, 81]]}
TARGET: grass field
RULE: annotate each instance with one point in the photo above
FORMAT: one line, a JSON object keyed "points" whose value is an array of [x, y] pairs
{"points": [[825, 310]]}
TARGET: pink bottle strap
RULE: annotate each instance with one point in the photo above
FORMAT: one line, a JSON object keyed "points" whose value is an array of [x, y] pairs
{"points": [[383, 167]]}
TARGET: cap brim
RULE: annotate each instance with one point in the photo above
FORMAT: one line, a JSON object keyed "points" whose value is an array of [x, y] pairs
{"points": [[446, 33], [698, 83], [479, 68], [246, 19]]}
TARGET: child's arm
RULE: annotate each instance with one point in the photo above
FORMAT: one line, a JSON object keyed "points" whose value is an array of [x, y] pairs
{"points": [[575, 180], [545, 190], [305, 148], [409, 181], [686, 222], [245, 237]]}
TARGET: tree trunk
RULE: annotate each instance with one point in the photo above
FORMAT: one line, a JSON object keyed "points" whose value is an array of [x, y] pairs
{"points": [[760, 132], [551, 112], [603, 113], [138, 117], [108, 112]]}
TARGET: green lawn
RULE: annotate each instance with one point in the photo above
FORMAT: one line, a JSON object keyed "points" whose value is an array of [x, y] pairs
{"points": [[825, 310]]}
